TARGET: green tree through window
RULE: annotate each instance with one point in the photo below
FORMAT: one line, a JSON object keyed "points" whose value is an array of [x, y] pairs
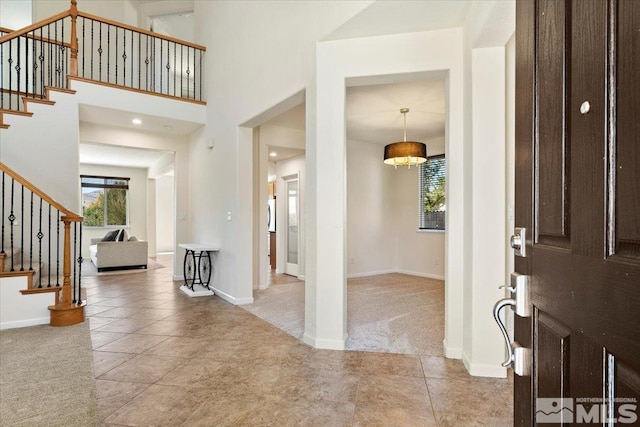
{"points": [[95, 191], [432, 193]]}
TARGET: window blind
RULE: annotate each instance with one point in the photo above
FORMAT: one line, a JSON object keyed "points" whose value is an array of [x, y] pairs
{"points": [[432, 193]]}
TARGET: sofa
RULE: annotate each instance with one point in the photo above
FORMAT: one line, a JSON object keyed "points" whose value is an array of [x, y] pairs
{"points": [[118, 255]]}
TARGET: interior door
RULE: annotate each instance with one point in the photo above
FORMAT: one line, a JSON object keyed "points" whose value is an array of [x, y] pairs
{"points": [[292, 228], [578, 195]]}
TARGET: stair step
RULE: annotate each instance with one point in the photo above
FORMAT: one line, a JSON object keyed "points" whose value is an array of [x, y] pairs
{"points": [[26, 99], [66, 315], [4, 126], [30, 291], [16, 113], [58, 89]]}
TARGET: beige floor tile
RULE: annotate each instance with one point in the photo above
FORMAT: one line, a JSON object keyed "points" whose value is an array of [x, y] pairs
{"points": [[159, 405], [441, 367], [99, 338], [479, 397], [391, 364], [104, 361], [144, 368], [185, 347], [125, 326], [384, 416], [133, 343], [112, 395], [394, 391]]}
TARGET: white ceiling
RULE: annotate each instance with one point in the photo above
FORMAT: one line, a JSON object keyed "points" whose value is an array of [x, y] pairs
{"points": [[402, 16], [121, 118], [373, 112], [283, 153], [111, 155]]}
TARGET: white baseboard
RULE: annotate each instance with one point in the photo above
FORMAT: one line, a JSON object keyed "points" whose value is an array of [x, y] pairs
{"points": [[233, 300], [415, 273], [262, 288], [278, 271], [301, 277], [451, 352], [24, 323], [178, 278], [395, 270], [325, 344], [483, 370], [370, 273]]}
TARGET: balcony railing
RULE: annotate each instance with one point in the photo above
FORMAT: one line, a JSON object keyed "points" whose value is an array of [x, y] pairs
{"points": [[77, 44]]}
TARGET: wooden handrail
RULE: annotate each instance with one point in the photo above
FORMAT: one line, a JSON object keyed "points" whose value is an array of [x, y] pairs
{"points": [[140, 30], [35, 26], [72, 216], [36, 37]]}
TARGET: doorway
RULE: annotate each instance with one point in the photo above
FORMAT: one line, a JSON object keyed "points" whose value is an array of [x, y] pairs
{"points": [[292, 237]]}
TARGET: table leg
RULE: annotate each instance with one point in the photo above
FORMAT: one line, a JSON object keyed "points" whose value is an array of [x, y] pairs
{"points": [[189, 268]]}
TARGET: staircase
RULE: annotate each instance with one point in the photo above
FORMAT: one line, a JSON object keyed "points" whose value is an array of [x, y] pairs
{"points": [[73, 45], [38, 238]]}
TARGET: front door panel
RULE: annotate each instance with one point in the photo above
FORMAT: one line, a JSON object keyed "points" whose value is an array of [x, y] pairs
{"points": [[578, 191]]}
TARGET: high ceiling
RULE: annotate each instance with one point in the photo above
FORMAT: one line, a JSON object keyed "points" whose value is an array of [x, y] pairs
{"points": [[111, 155]]}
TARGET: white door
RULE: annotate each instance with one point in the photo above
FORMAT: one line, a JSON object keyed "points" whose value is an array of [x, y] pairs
{"points": [[291, 229]]}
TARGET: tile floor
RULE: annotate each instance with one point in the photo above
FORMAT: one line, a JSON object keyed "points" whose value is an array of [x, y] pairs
{"points": [[162, 358]]}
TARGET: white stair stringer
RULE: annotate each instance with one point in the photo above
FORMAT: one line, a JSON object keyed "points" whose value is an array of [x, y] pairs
{"points": [[17, 310]]}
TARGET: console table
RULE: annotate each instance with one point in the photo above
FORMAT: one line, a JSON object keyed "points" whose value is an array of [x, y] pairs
{"points": [[198, 269]]}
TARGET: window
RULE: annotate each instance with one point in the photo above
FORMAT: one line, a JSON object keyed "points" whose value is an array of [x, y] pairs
{"points": [[105, 201], [432, 193]]}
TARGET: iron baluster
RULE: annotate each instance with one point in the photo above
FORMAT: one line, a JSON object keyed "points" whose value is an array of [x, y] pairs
{"points": [[200, 99], [124, 57], [10, 62], [181, 68], [139, 57], [31, 236], [2, 240], [12, 218], [116, 46], [188, 71], [160, 65], [75, 250], [57, 67], [1, 73], [63, 74], [21, 227], [146, 61], [168, 67], [40, 236], [132, 57], [153, 64], [83, 45], [41, 58], [92, 37], [108, 53], [35, 64], [49, 263], [100, 53], [175, 51], [194, 73], [57, 248], [80, 260], [18, 75], [49, 78]]}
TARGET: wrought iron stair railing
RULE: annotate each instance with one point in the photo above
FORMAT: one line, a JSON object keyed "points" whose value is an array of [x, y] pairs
{"points": [[40, 236], [80, 45]]}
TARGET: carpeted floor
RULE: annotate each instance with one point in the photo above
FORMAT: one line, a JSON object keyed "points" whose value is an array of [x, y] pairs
{"points": [[89, 269], [393, 313], [46, 377]]}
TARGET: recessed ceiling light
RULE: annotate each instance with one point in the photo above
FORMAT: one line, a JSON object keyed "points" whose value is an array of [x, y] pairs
{"points": [[273, 154], [136, 121]]}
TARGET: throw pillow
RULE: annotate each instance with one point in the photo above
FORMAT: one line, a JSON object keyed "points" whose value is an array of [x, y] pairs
{"points": [[110, 236], [133, 239], [122, 236]]}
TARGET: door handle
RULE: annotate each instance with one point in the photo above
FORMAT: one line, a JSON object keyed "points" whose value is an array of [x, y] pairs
{"points": [[519, 357], [505, 302]]}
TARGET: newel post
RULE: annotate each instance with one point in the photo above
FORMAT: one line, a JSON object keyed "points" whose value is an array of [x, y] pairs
{"points": [[73, 66], [66, 263]]}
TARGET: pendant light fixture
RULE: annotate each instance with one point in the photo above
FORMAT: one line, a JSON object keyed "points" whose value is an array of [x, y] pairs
{"points": [[405, 153]]}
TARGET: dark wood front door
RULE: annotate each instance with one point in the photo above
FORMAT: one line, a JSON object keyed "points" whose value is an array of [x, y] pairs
{"points": [[578, 195]]}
